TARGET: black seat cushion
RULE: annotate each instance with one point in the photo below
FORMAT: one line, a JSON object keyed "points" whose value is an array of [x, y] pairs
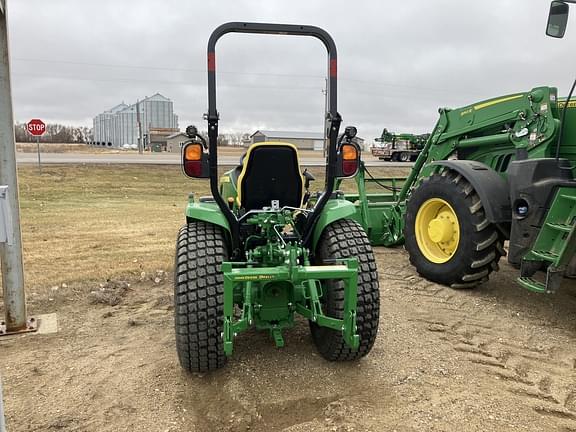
{"points": [[271, 173]]}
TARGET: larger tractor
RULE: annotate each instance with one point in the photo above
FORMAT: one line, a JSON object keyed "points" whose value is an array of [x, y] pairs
{"points": [[262, 248], [493, 171]]}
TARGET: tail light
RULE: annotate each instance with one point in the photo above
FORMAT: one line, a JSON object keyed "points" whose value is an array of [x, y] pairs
{"points": [[348, 160], [194, 161]]}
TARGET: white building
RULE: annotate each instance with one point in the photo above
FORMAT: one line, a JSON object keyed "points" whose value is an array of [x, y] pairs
{"points": [[302, 140]]}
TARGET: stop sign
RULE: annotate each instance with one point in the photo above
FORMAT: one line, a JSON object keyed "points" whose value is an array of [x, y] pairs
{"points": [[36, 127]]}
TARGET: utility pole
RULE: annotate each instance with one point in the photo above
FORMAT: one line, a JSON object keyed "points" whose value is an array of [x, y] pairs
{"points": [[11, 249], [140, 150]]}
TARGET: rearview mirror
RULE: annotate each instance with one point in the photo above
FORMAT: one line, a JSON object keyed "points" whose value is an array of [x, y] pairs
{"points": [[557, 19]]}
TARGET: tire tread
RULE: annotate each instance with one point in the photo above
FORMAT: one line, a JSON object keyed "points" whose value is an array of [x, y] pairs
{"points": [[345, 239], [199, 296], [477, 263]]}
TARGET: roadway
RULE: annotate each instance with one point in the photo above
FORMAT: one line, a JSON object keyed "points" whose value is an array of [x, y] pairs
{"points": [[161, 159]]}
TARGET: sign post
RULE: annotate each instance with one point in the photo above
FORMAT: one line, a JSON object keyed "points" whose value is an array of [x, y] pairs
{"points": [[37, 128]]}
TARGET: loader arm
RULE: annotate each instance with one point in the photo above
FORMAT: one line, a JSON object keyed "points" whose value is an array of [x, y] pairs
{"points": [[493, 132]]}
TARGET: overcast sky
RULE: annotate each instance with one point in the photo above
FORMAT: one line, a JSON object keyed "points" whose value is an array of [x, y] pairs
{"points": [[398, 61]]}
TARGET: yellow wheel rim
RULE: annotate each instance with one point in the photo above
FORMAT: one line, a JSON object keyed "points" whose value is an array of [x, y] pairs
{"points": [[437, 230]]}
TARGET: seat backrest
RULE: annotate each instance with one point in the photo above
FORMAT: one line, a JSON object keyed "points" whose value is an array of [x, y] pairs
{"points": [[270, 172]]}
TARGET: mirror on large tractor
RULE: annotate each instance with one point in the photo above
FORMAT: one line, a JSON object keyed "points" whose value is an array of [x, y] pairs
{"points": [[194, 159], [557, 19], [348, 155]]}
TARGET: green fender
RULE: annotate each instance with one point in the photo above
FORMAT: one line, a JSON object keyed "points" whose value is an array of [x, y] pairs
{"points": [[207, 212], [335, 209]]}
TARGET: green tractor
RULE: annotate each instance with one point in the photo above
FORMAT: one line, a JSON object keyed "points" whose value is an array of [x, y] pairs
{"points": [[497, 170], [262, 249]]}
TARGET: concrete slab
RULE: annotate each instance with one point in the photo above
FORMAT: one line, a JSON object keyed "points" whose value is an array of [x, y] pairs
{"points": [[47, 323]]}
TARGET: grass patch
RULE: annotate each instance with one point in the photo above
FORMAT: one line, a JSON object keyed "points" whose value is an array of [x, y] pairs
{"points": [[104, 222]]}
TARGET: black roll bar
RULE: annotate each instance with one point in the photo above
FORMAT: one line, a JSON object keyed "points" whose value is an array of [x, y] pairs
{"points": [[333, 117]]}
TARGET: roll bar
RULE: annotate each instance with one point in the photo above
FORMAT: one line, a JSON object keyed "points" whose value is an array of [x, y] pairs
{"points": [[333, 117]]}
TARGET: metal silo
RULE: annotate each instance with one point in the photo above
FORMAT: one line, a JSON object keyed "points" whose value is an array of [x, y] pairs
{"points": [[119, 125]]}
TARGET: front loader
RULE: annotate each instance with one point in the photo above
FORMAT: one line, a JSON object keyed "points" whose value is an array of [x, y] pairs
{"points": [[262, 248], [496, 170]]}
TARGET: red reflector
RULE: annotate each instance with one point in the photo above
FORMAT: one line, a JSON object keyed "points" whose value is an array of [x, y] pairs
{"points": [[349, 167], [211, 61], [333, 68], [193, 168]]}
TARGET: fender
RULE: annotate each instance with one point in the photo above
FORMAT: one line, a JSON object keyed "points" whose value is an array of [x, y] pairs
{"points": [[207, 212], [488, 184], [335, 209]]}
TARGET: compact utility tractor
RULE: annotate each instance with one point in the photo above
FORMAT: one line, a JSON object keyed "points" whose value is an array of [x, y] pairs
{"points": [[262, 248], [501, 169]]}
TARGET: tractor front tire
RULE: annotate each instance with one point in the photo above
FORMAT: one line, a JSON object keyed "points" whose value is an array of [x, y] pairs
{"points": [[199, 296], [447, 235], [346, 239]]}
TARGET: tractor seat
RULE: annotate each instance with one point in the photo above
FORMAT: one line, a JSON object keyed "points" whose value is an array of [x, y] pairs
{"points": [[270, 171]]}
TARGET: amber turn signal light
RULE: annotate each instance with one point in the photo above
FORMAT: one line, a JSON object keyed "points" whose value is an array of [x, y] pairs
{"points": [[349, 152], [193, 152]]}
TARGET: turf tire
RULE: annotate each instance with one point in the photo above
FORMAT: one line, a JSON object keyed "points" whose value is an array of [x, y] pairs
{"points": [[346, 239], [199, 296]]}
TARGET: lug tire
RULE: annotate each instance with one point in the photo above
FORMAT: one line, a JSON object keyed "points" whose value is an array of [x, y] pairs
{"points": [[480, 246], [404, 157], [346, 239], [199, 296]]}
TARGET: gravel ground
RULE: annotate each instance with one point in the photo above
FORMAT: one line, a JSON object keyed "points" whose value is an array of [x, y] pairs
{"points": [[496, 358]]}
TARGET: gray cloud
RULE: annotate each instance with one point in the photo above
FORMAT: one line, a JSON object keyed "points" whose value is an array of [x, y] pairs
{"points": [[398, 61]]}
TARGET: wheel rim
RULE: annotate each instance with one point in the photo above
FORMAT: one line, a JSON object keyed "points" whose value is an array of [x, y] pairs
{"points": [[437, 230]]}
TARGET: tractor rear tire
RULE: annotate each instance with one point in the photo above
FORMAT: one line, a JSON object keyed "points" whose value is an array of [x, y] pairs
{"points": [[199, 296], [346, 239], [448, 200]]}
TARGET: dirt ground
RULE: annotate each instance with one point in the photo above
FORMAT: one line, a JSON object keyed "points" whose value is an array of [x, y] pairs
{"points": [[497, 358]]}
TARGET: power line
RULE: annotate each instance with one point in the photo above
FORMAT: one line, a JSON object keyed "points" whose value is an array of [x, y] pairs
{"points": [[171, 69], [170, 82], [404, 96], [240, 86], [271, 74]]}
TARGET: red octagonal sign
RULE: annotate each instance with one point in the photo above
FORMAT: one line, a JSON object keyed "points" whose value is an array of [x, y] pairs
{"points": [[36, 127]]}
